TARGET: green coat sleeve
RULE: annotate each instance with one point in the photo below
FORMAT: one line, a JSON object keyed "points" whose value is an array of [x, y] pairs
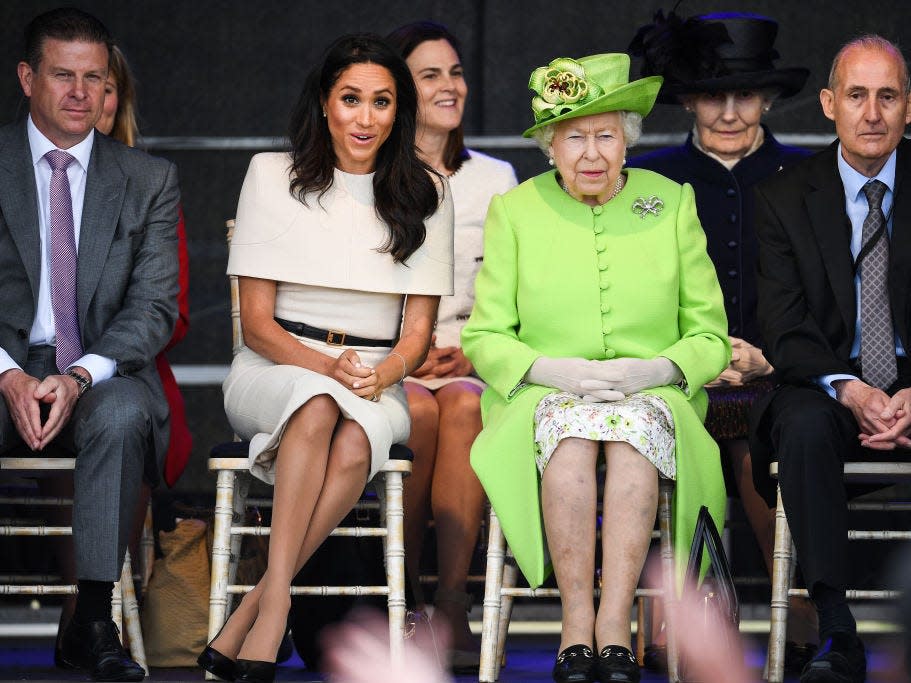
{"points": [[490, 338]]}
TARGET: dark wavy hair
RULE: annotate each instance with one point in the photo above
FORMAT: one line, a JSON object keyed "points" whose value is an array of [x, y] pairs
{"points": [[404, 192], [405, 39]]}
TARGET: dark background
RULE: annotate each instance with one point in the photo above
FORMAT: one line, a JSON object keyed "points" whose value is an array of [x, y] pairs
{"points": [[232, 69]]}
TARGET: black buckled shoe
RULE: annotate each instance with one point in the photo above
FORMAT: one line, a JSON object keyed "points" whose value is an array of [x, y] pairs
{"points": [[574, 665], [841, 659], [95, 647], [616, 664]]}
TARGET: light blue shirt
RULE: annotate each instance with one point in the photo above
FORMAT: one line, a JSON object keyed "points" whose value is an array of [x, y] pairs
{"points": [[43, 330], [857, 209]]}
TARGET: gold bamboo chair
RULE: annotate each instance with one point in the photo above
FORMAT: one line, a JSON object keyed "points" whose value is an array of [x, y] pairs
{"points": [[124, 609], [229, 461], [500, 591], [884, 473]]}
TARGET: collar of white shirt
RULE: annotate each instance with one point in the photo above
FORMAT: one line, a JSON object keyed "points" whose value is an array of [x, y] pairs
{"points": [[40, 146]]}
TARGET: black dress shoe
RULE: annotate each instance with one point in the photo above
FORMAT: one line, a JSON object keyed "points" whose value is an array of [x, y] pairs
{"points": [[616, 664], [574, 665], [254, 671], [216, 663], [796, 657], [841, 659], [95, 647]]}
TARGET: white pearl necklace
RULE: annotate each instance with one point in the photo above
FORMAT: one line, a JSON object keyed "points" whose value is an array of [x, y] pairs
{"points": [[617, 187]]}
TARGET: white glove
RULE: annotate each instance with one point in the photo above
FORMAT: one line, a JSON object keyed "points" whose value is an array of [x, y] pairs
{"points": [[568, 374], [627, 376]]}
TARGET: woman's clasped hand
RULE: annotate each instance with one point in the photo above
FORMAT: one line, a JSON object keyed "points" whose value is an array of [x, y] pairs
{"points": [[603, 380], [350, 371]]}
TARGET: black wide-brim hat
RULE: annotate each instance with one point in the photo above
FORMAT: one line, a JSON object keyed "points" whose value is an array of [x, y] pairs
{"points": [[714, 53]]}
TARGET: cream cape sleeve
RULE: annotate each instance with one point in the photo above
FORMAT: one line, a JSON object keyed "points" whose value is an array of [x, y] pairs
{"points": [[334, 241]]}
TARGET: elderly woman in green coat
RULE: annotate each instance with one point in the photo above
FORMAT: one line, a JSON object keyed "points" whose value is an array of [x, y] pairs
{"points": [[597, 320]]}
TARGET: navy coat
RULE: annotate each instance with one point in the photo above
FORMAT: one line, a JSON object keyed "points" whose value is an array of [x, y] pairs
{"points": [[724, 202]]}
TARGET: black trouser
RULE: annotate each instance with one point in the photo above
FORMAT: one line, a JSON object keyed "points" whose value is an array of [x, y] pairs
{"points": [[813, 435]]}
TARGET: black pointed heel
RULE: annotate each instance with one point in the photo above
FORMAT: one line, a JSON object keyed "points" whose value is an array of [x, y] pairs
{"points": [[216, 663], [254, 671]]}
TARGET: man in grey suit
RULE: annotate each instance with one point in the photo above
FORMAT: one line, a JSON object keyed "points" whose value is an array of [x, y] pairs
{"points": [[88, 296]]}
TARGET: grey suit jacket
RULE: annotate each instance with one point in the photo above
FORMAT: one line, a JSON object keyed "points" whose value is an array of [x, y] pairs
{"points": [[127, 273]]}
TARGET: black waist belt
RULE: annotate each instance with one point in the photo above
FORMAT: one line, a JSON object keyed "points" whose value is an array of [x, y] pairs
{"points": [[331, 337]]}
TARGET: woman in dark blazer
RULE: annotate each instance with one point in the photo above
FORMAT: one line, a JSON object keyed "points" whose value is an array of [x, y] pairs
{"points": [[729, 83]]}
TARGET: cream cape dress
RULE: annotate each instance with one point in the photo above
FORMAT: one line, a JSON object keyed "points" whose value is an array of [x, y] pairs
{"points": [[325, 258]]}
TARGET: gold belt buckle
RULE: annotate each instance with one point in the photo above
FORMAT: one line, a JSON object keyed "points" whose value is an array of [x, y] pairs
{"points": [[335, 338]]}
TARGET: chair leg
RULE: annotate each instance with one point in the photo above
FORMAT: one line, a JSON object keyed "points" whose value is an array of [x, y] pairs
{"points": [[510, 574], [669, 571], [238, 516], [146, 549], [117, 605], [395, 562], [131, 614], [643, 625], [781, 576], [493, 582], [221, 552]]}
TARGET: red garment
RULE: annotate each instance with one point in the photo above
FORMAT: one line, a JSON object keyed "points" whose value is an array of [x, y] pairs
{"points": [[181, 442]]}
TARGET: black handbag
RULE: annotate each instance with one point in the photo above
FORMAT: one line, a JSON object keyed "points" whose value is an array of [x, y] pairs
{"points": [[718, 597]]}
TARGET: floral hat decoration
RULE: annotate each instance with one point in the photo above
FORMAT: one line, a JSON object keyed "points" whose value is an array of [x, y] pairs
{"points": [[568, 88]]}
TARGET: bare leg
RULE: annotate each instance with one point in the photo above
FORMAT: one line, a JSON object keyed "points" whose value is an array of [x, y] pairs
{"points": [[301, 465], [457, 500], [630, 504], [802, 627], [569, 501], [345, 476], [425, 422]]}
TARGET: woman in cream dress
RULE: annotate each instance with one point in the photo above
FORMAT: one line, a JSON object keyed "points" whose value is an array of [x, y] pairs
{"points": [[330, 240], [444, 394]]}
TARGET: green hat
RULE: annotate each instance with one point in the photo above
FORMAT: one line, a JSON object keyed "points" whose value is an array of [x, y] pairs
{"points": [[568, 88]]}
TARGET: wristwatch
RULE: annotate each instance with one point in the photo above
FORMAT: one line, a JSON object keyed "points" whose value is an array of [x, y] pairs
{"points": [[84, 384]]}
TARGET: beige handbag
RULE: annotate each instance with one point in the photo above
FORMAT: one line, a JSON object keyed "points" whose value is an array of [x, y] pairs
{"points": [[176, 605]]}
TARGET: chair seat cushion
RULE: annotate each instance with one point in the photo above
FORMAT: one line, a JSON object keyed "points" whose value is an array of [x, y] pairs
{"points": [[239, 449]]}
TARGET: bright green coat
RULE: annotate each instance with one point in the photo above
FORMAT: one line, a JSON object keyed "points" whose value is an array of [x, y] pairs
{"points": [[564, 279]]}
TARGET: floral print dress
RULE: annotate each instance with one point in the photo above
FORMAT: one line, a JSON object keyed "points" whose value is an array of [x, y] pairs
{"points": [[643, 421]]}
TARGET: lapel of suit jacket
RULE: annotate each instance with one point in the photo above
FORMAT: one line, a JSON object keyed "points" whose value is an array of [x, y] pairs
{"points": [[18, 199], [900, 242], [826, 207], [104, 190]]}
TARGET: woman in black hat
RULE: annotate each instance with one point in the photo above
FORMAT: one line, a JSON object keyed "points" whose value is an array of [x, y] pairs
{"points": [[720, 67]]}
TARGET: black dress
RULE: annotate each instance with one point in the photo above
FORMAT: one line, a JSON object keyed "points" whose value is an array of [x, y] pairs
{"points": [[724, 202]]}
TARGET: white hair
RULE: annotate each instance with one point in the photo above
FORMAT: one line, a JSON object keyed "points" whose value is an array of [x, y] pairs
{"points": [[630, 120]]}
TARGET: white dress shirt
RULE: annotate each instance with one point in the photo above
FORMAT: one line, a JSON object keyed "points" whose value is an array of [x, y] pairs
{"points": [[857, 209], [43, 330]]}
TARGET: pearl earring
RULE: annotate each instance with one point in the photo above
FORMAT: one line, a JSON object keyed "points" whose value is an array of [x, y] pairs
{"points": [[324, 113], [550, 161]]}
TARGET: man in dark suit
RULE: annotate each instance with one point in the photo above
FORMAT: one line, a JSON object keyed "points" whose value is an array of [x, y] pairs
{"points": [[88, 296], [835, 313]]}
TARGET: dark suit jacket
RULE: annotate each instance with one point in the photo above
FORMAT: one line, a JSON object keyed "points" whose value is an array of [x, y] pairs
{"points": [[807, 301], [127, 272]]}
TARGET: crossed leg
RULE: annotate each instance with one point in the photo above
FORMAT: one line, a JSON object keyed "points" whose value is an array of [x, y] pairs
{"points": [[321, 468]]}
